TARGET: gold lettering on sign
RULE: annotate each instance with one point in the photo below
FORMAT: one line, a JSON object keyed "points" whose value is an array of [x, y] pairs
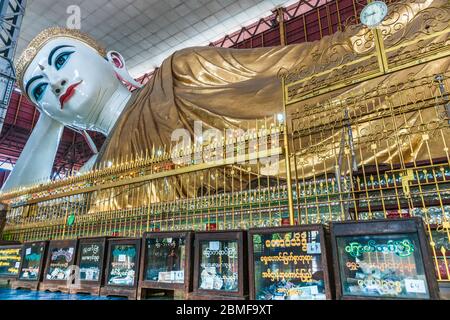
{"points": [[353, 266], [291, 291], [286, 258], [303, 274], [299, 240], [285, 243], [383, 285]]}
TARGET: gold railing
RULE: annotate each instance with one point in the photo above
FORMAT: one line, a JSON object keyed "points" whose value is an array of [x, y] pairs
{"points": [[151, 193], [368, 126], [365, 54], [377, 156]]}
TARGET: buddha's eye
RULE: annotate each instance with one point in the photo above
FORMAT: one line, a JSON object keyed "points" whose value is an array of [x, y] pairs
{"points": [[62, 59], [39, 91]]}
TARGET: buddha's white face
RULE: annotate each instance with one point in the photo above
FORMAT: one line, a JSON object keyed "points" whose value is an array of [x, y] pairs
{"points": [[71, 82]]}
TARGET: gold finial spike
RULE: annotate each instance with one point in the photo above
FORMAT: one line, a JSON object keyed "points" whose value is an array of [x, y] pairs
{"points": [[158, 154], [224, 137]]}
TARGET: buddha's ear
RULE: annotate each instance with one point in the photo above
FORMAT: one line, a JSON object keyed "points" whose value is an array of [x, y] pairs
{"points": [[118, 63]]}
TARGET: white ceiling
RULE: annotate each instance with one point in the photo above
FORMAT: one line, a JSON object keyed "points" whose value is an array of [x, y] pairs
{"points": [[146, 32]]}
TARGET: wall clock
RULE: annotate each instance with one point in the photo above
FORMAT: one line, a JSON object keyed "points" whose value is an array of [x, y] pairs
{"points": [[373, 13]]}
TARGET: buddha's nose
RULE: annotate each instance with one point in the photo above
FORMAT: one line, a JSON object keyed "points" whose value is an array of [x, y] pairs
{"points": [[59, 86]]}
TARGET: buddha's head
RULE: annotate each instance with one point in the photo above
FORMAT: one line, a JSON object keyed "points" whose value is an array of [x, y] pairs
{"points": [[68, 76]]}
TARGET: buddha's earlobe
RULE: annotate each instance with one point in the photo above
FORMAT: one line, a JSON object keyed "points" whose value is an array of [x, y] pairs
{"points": [[118, 63]]}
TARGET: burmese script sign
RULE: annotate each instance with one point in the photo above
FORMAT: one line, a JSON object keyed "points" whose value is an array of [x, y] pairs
{"points": [[91, 257], [288, 266], [10, 261], [61, 260], [32, 260], [219, 265], [122, 264], [382, 266], [165, 259]]}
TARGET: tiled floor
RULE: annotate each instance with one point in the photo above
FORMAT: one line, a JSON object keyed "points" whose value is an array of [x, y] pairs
{"points": [[8, 294]]}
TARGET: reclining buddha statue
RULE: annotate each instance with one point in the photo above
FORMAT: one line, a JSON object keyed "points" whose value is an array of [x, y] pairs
{"points": [[74, 82]]}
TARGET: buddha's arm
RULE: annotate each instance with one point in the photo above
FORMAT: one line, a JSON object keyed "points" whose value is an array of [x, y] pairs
{"points": [[36, 161]]}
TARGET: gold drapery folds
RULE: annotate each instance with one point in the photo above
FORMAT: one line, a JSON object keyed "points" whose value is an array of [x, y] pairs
{"points": [[233, 87]]}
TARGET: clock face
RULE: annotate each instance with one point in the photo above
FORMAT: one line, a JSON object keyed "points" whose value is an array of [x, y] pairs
{"points": [[374, 13]]}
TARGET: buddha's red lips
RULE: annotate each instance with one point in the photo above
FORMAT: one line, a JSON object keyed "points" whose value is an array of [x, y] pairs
{"points": [[68, 94]]}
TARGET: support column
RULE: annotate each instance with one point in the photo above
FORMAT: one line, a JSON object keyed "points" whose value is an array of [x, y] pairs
{"points": [[3, 212], [280, 17], [288, 159], [11, 13]]}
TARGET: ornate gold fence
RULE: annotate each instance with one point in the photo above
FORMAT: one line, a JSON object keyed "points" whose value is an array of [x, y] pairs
{"points": [[152, 192], [377, 155], [368, 125]]}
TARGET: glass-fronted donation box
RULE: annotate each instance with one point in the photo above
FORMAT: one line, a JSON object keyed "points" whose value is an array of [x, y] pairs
{"points": [[32, 263], [60, 260], [91, 259], [220, 265], [166, 262], [289, 263], [122, 268], [59, 270], [10, 257], [383, 260], [33, 257]]}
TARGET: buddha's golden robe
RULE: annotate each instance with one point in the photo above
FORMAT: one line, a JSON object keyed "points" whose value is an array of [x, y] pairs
{"points": [[232, 87]]}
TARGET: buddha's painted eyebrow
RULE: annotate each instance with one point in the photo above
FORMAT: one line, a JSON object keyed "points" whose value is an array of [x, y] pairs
{"points": [[50, 56], [31, 81]]}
